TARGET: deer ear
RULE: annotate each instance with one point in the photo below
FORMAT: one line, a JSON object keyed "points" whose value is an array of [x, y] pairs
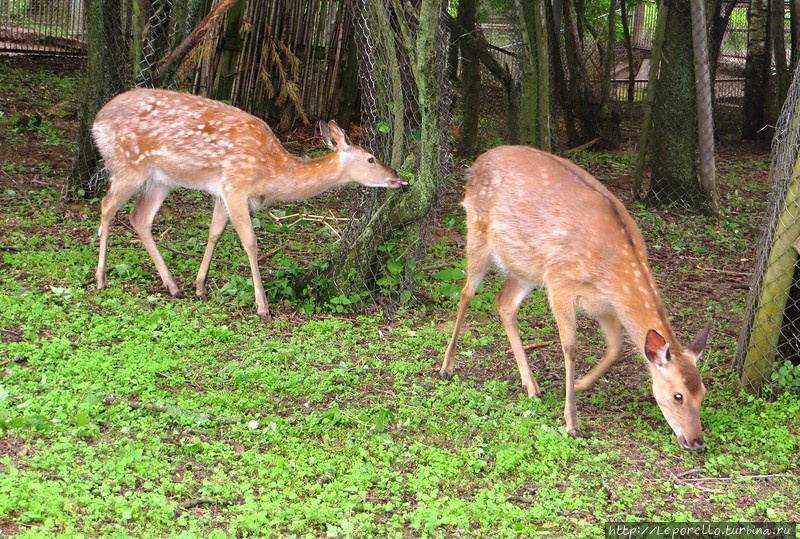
{"points": [[699, 343], [656, 348], [326, 135], [338, 137]]}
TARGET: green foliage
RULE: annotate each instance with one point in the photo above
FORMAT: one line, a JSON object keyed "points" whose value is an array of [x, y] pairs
{"points": [[787, 377]]}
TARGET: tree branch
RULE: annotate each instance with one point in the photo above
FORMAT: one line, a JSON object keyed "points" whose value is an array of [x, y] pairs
{"points": [[178, 53]]}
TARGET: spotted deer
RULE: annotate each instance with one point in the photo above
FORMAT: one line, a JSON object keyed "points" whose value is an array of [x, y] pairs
{"points": [[153, 141], [546, 222]]}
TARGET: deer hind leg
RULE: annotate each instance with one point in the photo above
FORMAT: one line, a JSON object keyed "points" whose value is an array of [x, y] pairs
{"points": [[507, 302], [478, 262], [612, 330], [142, 220], [120, 190], [239, 212], [563, 307], [218, 221]]}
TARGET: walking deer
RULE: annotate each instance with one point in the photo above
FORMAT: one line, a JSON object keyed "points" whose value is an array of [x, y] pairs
{"points": [[156, 140], [546, 222]]}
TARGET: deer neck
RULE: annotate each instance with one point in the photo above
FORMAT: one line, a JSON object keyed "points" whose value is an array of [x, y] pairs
{"points": [[302, 178], [640, 308]]}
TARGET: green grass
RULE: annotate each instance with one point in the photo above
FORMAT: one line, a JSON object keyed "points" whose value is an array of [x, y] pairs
{"points": [[127, 413]]}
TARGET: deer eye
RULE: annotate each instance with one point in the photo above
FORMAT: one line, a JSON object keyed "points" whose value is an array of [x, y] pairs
{"points": [[678, 397], [371, 160]]}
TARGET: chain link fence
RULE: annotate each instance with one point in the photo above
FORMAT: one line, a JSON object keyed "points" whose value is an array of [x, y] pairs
{"points": [[42, 26], [768, 356]]}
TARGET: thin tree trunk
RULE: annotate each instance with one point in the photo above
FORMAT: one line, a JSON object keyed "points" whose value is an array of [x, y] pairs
{"points": [[649, 100], [673, 164], [755, 70], [535, 97], [360, 263], [626, 33], [470, 81], [782, 77], [794, 28], [705, 109]]}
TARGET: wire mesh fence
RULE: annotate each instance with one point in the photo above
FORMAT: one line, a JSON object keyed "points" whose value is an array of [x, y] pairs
{"points": [[42, 26], [768, 356]]}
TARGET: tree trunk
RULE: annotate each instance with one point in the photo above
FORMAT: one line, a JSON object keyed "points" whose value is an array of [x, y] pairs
{"points": [[609, 122], [779, 82], [626, 34], [582, 103], [476, 44], [106, 52], [534, 108], [674, 150], [232, 47], [470, 81], [560, 92], [705, 108], [644, 146], [361, 262], [348, 90], [756, 70], [794, 29]]}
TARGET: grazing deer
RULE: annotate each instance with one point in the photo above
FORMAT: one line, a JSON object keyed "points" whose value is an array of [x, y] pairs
{"points": [[546, 222], [156, 140]]}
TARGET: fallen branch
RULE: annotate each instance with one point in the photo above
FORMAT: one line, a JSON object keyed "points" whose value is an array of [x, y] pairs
{"points": [[757, 477], [583, 146], [305, 217], [110, 399], [521, 499], [683, 481], [188, 504], [726, 272], [532, 346]]}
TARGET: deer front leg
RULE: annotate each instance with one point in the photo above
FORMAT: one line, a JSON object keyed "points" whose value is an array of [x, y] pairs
{"points": [[122, 187], [612, 330], [239, 211]]}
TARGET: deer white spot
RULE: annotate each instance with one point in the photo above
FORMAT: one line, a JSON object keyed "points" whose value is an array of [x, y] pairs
{"points": [[99, 231], [637, 274], [201, 126]]}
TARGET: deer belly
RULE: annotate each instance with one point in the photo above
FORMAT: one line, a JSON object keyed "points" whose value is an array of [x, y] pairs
{"points": [[194, 179]]}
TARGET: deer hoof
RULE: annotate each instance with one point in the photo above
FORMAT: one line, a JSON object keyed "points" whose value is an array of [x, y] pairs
{"points": [[444, 375], [577, 433]]}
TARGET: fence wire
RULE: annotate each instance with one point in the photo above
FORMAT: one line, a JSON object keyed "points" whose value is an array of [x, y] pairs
{"points": [[768, 355], [42, 26]]}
